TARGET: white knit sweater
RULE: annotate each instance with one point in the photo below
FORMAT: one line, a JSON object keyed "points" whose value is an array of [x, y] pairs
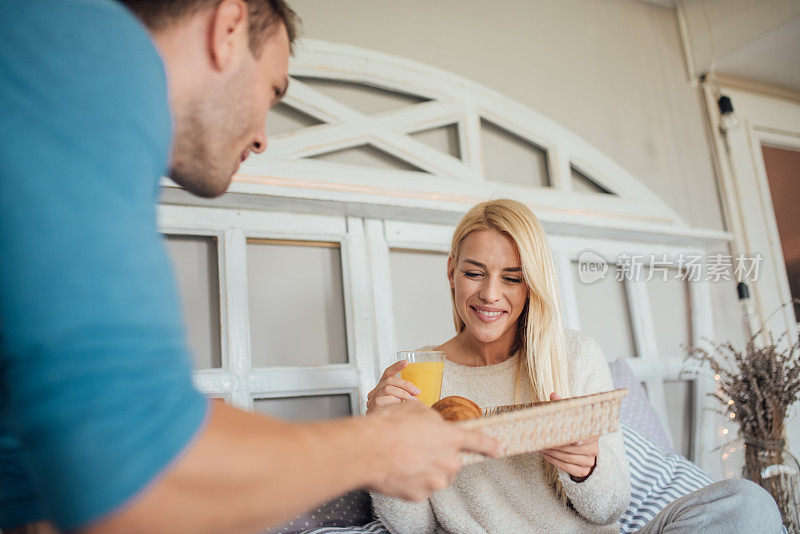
{"points": [[510, 495]]}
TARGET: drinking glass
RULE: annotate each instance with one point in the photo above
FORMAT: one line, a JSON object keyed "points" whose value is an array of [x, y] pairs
{"points": [[424, 370]]}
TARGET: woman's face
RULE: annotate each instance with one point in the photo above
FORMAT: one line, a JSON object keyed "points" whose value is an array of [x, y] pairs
{"points": [[490, 292]]}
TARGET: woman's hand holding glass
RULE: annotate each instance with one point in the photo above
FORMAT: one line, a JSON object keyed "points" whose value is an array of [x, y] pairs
{"points": [[391, 389], [577, 459]]}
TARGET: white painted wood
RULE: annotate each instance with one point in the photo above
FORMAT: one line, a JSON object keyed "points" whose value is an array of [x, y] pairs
{"points": [[170, 224], [374, 208], [292, 381], [454, 100], [569, 301], [775, 266], [748, 205], [360, 324], [214, 382], [470, 140], [560, 169], [647, 348], [706, 423], [237, 324], [191, 219], [382, 308], [747, 200], [236, 381], [418, 236]]}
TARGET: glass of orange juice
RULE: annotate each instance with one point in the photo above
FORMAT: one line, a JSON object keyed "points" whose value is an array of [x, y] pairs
{"points": [[424, 370]]}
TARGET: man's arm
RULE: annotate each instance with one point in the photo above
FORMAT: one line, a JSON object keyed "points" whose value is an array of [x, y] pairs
{"points": [[246, 472]]}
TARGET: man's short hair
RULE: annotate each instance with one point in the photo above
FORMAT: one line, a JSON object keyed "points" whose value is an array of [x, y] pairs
{"points": [[262, 15]]}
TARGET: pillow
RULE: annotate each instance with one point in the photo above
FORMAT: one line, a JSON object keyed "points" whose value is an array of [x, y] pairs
{"points": [[352, 508], [657, 479], [376, 527], [636, 410]]}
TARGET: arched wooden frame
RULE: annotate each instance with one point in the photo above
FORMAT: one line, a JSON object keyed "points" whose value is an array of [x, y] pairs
{"points": [[376, 205], [448, 184]]}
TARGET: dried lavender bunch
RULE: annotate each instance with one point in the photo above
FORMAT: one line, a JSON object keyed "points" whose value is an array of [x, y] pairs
{"points": [[762, 381]]}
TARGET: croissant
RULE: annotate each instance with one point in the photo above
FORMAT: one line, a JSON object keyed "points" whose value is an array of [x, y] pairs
{"points": [[457, 409]]}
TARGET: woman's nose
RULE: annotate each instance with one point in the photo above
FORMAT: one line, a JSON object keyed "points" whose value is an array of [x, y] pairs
{"points": [[490, 290]]}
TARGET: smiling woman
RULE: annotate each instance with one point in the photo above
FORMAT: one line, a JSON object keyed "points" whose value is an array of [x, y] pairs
{"points": [[486, 281], [511, 348]]}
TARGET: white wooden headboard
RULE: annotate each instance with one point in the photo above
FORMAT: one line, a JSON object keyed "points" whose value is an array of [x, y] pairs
{"points": [[292, 194]]}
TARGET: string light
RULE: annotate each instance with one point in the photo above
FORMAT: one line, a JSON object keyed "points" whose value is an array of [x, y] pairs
{"points": [[730, 401], [716, 377], [724, 431], [732, 415]]}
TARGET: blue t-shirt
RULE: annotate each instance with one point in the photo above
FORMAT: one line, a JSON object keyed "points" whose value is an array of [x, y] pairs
{"points": [[96, 397]]}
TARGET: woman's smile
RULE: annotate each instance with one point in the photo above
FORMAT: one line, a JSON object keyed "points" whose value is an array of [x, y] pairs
{"points": [[488, 315]]}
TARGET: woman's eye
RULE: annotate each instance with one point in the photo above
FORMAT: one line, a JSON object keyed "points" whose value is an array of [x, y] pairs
{"points": [[470, 274], [512, 280]]}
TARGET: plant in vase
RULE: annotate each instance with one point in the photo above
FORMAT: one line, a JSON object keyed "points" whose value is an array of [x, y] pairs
{"points": [[756, 386]]}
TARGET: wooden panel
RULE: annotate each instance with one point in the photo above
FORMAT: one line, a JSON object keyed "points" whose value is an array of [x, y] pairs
{"points": [[510, 159], [670, 307], [444, 139], [296, 304], [421, 296], [364, 98], [366, 156], [284, 118], [308, 408], [680, 410], [583, 184], [604, 314], [194, 259]]}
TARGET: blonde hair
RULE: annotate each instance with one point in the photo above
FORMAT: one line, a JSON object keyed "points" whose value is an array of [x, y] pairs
{"points": [[540, 335]]}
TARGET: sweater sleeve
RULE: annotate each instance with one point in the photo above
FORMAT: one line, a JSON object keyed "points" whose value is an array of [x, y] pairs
{"points": [[601, 498], [404, 517]]}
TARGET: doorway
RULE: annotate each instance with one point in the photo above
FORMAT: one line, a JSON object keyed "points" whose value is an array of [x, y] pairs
{"points": [[783, 175]]}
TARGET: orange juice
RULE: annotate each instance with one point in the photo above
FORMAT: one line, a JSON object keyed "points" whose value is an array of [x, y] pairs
{"points": [[427, 376]]}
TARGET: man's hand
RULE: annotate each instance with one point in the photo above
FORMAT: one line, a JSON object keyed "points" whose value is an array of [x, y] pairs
{"points": [[577, 459], [420, 451]]}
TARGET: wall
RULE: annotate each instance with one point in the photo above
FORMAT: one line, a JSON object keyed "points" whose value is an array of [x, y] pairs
{"points": [[613, 72], [717, 28]]}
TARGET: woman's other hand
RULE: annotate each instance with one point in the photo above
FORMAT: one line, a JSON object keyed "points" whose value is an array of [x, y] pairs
{"points": [[391, 389], [577, 459]]}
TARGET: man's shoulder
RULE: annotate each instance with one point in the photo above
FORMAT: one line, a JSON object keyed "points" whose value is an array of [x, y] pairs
{"points": [[27, 10], [63, 40], [63, 17], [83, 81]]}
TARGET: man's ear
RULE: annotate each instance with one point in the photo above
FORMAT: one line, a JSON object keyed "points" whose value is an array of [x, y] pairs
{"points": [[451, 268], [228, 33]]}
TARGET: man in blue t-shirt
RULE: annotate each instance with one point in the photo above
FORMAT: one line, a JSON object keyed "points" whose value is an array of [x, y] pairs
{"points": [[100, 426]]}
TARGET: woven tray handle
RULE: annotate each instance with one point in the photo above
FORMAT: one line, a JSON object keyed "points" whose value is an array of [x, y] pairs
{"points": [[524, 428]]}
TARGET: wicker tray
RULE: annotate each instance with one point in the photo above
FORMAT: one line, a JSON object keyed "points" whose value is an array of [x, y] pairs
{"points": [[531, 427]]}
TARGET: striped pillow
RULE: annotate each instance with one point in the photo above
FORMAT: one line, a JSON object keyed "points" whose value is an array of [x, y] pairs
{"points": [[657, 479], [376, 527]]}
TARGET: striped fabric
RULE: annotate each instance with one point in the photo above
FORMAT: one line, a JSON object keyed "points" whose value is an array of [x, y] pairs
{"points": [[657, 479], [376, 527]]}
